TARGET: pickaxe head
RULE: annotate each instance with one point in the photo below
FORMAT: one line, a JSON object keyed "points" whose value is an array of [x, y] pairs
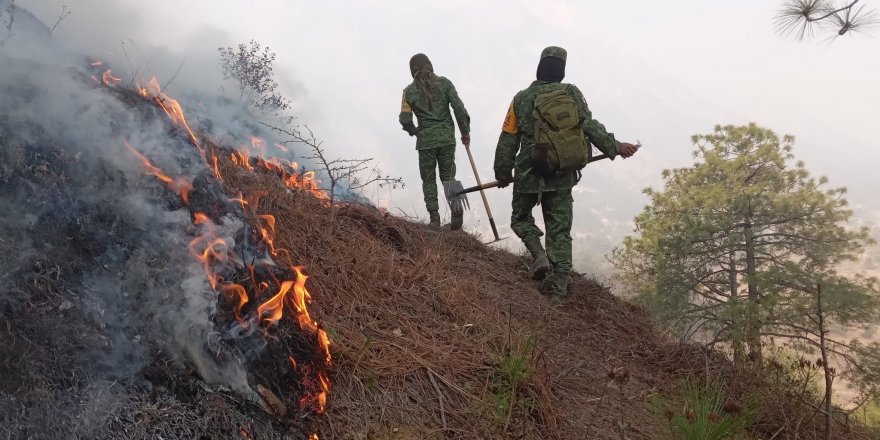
{"points": [[456, 200]]}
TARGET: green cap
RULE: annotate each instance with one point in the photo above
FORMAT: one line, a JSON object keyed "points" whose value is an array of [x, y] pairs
{"points": [[553, 51]]}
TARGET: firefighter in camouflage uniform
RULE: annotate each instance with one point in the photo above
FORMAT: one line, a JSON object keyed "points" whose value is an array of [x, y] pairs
{"points": [[514, 163], [429, 97]]}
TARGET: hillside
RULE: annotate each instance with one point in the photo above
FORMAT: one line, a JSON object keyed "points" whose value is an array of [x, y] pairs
{"points": [[427, 324]]}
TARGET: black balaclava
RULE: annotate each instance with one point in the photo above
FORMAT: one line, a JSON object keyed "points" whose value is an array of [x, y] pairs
{"points": [[551, 69]]}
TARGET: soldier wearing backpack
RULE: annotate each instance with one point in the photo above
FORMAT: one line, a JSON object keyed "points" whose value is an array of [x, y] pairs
{"points": [[544, 143]]}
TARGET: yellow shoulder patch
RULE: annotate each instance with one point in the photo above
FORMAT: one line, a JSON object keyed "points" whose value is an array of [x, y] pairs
{"points": [[510, 122], [404, 106]]}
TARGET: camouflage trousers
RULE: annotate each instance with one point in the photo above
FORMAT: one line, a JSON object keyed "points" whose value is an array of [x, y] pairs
{"points": [[429, 161], [557, 209]]}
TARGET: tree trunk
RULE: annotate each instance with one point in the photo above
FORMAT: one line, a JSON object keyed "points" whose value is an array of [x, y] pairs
{"points": [[736, 333], [829, 379], [753, 325], [332, 201]]}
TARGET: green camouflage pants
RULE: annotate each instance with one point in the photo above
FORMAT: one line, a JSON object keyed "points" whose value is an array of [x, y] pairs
{"points": [[429, 160], [557, 209]]}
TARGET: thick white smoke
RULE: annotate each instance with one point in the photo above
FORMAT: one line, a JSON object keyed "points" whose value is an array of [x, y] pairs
{"points": [[140, 303]]}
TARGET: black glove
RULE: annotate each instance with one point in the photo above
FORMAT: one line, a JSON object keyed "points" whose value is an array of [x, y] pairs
{"points": [[503, 182], [411, 129]]}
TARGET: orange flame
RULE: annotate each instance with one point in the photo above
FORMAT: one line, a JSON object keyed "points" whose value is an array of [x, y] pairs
{"points": [[324, 344], [287, 170], [300, 299], [180, 185], [109, 79], [208, 249], [240, 200], [268, 233], [237, 290], [273, 307], [259, 146], [216, 167], [171, 108], [243, 159], [325, 388]]}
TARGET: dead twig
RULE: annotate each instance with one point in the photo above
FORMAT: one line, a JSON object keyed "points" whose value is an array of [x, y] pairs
{"points": [[440, 399], [64, 14], [170, 80]]}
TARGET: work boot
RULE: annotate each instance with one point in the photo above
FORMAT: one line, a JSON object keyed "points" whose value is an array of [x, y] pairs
{"points": [[540, 264], [435, 219], [457, 215], [560, 285], [556, 285]]}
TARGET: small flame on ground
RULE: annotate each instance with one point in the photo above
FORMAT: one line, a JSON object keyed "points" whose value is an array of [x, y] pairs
{"points": [[325, 389], [239, 291], [216, 167], [259, 146], [109, 79], [171, 108], [242, 158], [180, 185], [244, 431], [240, 200], [288, 171], [272, 310], [268, 232]]}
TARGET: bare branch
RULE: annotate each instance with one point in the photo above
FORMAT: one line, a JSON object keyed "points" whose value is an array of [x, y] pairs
{"points": [[168, 83], [337, 170], [10, 10], [64, 14]]}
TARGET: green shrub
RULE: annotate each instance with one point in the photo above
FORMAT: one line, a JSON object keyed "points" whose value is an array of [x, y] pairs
{"points": [[705, 414]]}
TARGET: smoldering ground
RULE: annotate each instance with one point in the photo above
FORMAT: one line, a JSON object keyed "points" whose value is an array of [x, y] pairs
{"points": [[100, 298]]}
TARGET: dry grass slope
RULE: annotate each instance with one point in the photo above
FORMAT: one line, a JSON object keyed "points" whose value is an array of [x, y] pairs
{"points": [[429, 326], [437, 335]]}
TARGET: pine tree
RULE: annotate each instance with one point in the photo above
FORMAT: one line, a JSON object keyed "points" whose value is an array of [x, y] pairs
{"points": [[733, 247]]}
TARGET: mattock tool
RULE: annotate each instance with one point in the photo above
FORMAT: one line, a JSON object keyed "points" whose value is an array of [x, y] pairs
{"points": [[479, 186], [494, 184]]}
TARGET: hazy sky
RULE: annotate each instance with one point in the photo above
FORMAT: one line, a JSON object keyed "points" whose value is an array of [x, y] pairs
{"points": [[654, 71]]}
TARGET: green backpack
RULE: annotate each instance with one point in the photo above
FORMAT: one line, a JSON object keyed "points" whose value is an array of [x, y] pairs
{"points": [[560, 144]]}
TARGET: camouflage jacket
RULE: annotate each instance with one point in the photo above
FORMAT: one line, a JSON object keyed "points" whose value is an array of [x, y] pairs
{"points": [[514, 151], [436, 128]]}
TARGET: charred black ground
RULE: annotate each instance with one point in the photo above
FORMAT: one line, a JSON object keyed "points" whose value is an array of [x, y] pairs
{"points": [[92, 258]]}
